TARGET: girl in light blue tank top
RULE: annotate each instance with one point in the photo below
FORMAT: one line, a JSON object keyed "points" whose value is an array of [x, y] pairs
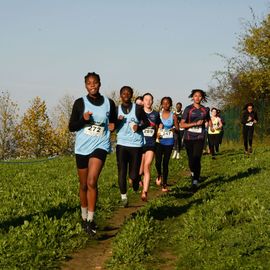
{"points": [[131, 120], [165, 145], [95, 134], [90, 120]]}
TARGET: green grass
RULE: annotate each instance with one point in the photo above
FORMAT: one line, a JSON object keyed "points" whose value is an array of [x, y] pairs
{"points": [[40, 211], [225, 225]]}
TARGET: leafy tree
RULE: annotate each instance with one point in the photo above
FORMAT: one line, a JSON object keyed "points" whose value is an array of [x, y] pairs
{"points": [[61, 114], [247, 77], [8, 121], [34, 134]]}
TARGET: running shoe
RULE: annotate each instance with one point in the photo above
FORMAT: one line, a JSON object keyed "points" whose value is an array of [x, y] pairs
{"points": [[84, 224], [178, 156], [194, 186], [91, 228], [125, 203], [135, 185], [164, 189]]}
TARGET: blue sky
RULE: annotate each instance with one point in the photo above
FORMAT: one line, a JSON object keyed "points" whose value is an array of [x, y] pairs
{"points": [[164, 47]]}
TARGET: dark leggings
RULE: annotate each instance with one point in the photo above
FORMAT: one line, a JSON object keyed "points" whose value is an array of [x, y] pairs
{"points": [[194, 151], [248, 136], [128, 157], [213, 140], [163, 151], [178, 140]]}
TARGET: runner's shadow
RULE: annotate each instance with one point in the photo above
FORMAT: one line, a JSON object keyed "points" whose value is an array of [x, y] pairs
{"points": [[56, 212], [220, 180], [110, 228], [106, 236], [163, 212]]}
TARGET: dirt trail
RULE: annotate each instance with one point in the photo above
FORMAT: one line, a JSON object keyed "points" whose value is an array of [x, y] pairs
{"points": [[95, 256]]}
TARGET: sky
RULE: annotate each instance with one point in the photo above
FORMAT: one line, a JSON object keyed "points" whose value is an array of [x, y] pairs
{"points": [[163, 47]]}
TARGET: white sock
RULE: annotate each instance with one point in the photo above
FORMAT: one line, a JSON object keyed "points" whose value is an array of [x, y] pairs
{"points": [[84, 213], [124, 196], [90, 216]]}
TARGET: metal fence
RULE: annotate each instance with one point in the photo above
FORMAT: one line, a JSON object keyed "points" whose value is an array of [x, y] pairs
{"points": [[233, 126]]}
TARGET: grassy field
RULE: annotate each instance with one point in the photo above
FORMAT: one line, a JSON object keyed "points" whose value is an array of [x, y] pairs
{"points": [[225, 225], [40, 211]]}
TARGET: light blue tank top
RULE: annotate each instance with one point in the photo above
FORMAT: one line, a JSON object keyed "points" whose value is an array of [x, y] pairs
{"points": [[97, 134], [125, 134], [167, 135]]}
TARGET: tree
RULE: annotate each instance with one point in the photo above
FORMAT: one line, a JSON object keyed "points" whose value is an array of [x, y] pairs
{"points": [[35, 135], [8, 120], [61, 114], [247, 77]]}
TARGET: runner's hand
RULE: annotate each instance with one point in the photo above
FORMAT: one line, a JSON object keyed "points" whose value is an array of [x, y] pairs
{"points": [[86, 115], [111, 126]]}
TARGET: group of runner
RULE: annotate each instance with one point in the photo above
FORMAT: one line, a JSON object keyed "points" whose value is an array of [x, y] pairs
{"points": [[142, 134]]}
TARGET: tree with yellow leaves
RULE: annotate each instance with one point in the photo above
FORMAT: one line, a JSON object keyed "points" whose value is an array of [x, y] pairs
{"points": [[35, 135]]}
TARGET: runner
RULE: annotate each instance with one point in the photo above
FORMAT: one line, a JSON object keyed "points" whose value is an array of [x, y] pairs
{"points": [[92, 118], [149, 142], [178, 136], [165, 145], [131, 121], [194, 118], [221, 134], [214, 136], [249, 118]]}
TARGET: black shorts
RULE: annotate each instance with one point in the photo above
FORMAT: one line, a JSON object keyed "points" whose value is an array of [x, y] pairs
{"points": [[148, 148], [82, 160]]}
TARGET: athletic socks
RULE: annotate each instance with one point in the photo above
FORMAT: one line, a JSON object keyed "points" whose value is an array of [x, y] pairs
{"points": [[84, 213], [123, 197], [90, 216]]}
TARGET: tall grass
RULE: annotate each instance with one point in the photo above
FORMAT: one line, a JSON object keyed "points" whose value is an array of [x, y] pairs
{"points": [[40, 211], [225, 225]]}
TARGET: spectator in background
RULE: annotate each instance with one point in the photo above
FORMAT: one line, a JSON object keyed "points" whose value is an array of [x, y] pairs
{"points": [[249, 119]]}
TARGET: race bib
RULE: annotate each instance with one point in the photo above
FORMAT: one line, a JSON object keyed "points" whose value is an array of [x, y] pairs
{"points": [[197, 129], [166, 134], [94, 130], [148, 132], [249, 124]]}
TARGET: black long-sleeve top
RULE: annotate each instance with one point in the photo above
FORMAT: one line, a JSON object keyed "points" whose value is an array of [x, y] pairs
{"points": [[246, 115], [140, 114], [77, 121]]}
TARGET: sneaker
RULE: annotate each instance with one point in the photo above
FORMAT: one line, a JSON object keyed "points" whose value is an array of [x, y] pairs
{"points": [[125, 203], [174, 154], [164, 189], [84, 224], [135, 185], [250, 150], [178, 156], [194, 186], [91, 228]]}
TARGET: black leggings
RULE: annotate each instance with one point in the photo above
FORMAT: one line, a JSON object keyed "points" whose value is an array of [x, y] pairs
{"points": [[165, 152], [178, 140], [213, 140], [248, 136], [194, 151], [128, 157]]}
